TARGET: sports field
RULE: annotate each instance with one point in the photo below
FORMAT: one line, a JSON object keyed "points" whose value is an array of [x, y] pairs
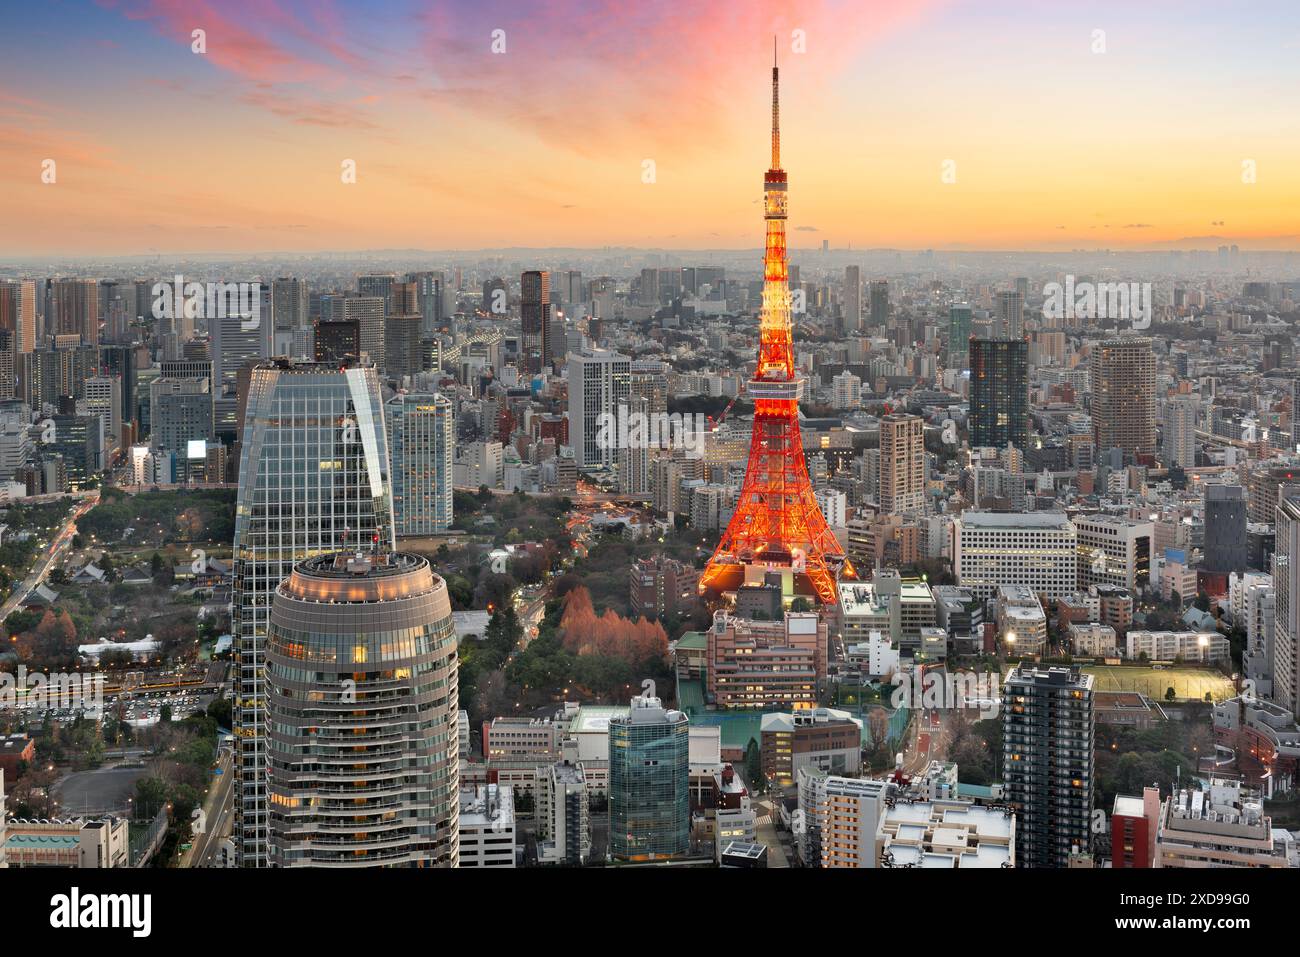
{"points": [[1187, 683]]}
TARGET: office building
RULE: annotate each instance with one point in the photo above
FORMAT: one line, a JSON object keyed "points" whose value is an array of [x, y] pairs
{"points": [[1047, 762], [1226, 548], [337, 343], [999, 393], [313, 479], [72, 309], [879, 292], [649, 783], [766, 664], [959, 331], [1010, 314], [421, 440], [598, 383], [378, 285], [535, 318], [1036, 549], [1114, 551], [368, 313], [822, 738]]}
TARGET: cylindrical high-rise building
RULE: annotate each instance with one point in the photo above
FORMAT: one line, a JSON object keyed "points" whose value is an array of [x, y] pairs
{"points": [[361, 712]]}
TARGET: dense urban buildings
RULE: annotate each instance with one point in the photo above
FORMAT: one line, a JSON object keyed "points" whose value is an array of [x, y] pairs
{"points": [[942, 535]]}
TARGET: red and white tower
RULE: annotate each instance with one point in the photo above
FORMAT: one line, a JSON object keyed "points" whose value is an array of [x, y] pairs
{"points": [[777, 524]]}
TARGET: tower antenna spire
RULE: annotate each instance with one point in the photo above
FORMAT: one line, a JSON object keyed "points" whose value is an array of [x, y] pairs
{"points": [[776, 110]]}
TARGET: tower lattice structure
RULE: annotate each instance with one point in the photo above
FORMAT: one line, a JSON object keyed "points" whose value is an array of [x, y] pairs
{"points": [[777, 523]]}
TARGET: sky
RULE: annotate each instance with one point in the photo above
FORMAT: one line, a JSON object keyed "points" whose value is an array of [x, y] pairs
{"points": [[944, 124]]}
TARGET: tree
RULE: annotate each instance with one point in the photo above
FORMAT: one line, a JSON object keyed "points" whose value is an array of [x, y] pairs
{"points": [[754, 766], [1170, 693], [800, 604]]}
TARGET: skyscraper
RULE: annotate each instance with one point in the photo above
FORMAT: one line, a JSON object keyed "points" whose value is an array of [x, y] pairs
{"points": [[598, 384], [378, 284], [403, 353], [288, 309], [649, 783], [902, 464], [999, 393], [959, 317], [1047, 761], [368, 313], [362, 749], [879, 303], [852, 298], [1011, 314], [1178, 441], [421, 439], [313, 479], [1123, 384], [1226, 548], [776, 525], [535, 316], [72, 309], [1286, 584], [429, 288]]}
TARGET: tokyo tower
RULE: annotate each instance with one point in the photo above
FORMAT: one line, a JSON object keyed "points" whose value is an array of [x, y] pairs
{"points": [[777, 525]]}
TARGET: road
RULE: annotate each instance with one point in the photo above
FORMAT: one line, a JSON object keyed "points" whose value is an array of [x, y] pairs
{"points": [[927, 741], [218, 810], [62, 541]]}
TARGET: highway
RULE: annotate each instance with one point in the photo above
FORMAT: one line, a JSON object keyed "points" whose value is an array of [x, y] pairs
{"points": [[57, 548]]}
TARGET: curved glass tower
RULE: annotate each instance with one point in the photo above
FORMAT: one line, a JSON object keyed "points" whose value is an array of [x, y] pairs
{"points": [[361, 702]]}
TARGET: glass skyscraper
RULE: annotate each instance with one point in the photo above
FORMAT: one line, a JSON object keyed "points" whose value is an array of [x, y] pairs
{"points": [[422, 439], [313, 479], [999, 393], [649, 783]]}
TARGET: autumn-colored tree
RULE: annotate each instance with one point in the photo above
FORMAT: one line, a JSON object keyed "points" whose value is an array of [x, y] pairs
{"points": [[610, 635]]}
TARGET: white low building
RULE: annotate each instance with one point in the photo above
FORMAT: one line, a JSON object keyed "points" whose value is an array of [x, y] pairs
{"points": [[487, 826], [1196, 646]]}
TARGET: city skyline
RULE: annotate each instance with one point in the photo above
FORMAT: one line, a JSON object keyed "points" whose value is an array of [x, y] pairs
{"points": [[544, 144]]}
